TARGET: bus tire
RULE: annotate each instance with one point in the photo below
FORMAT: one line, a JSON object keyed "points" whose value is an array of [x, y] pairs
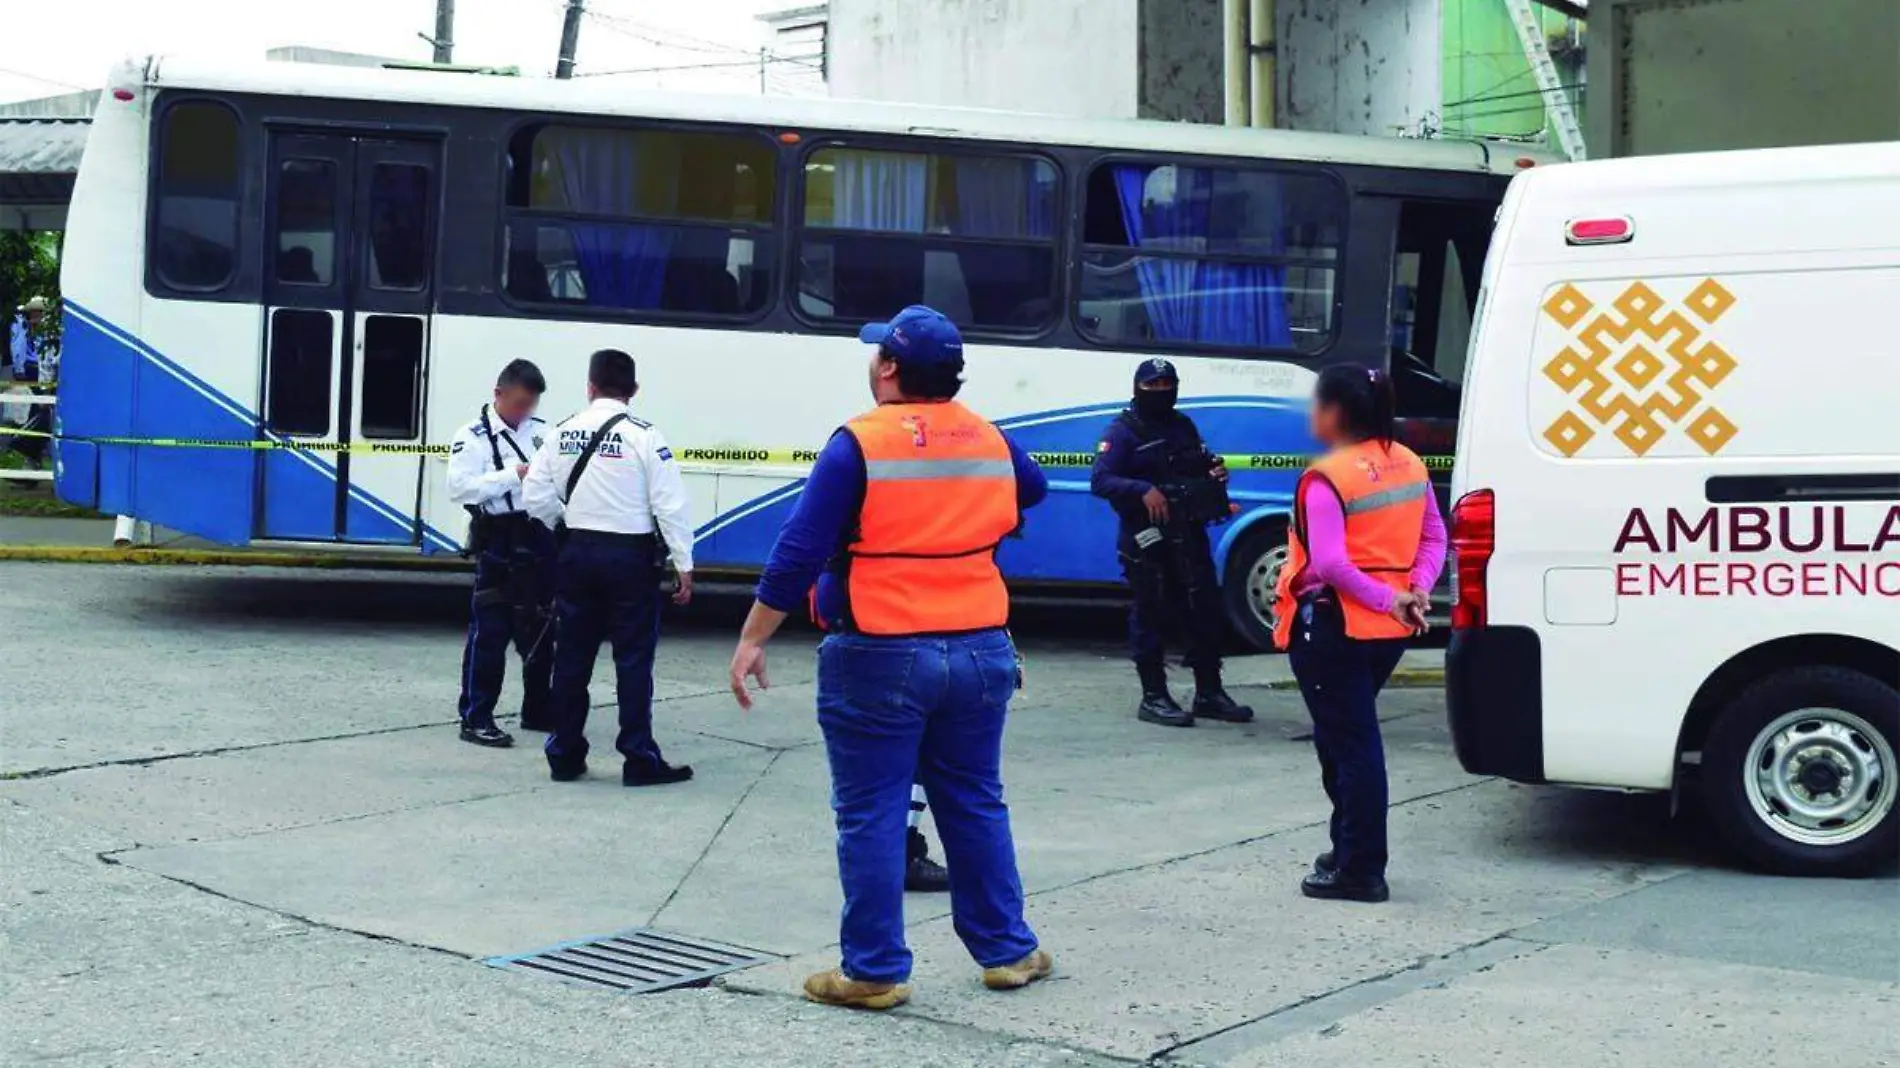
{"points": [[1253, 569], [1799, 772]]}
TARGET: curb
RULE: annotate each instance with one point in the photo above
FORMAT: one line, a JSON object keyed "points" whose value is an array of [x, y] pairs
{"points": [[73, 554], [1402, 679]]}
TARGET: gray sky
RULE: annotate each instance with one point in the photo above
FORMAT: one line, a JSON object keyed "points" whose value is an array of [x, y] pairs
{"points": [[55, 46]]}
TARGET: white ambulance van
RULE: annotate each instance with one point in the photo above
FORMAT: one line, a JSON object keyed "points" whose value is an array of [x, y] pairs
{"points": [[1676, 536]]}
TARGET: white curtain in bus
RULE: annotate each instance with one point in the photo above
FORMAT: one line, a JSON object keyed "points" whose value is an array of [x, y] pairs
{"points": [[880, 191]]}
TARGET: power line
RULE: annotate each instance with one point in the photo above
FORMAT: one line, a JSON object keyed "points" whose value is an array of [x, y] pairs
{"points": [[1512, 96], [39, 78], [754, 62]]}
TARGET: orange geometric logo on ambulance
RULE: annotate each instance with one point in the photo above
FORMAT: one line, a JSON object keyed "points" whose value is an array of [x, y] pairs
{"points": [[1639, 368]]}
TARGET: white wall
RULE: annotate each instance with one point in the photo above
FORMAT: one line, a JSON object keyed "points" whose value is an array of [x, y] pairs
{"points": [[1065, 57], [1358, 66]]}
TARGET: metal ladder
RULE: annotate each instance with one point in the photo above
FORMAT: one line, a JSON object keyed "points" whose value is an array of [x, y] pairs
{"points": [[1530, 34]]}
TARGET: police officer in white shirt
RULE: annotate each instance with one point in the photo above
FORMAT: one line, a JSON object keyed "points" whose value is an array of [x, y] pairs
{"points": [[514, 557], [613, 482]]}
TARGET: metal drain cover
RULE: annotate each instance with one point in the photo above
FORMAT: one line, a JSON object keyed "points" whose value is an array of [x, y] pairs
{"points": [[639, 961]]}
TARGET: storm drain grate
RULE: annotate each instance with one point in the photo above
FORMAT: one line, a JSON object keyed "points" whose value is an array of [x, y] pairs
{"points": [[640, 961]]}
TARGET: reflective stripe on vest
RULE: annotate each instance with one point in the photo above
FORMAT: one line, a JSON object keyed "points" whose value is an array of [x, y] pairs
{"points": [[1383, 490], [939, 496]]}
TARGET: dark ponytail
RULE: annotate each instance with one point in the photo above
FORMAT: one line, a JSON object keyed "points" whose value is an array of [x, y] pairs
{"points": [[1363, 397]]}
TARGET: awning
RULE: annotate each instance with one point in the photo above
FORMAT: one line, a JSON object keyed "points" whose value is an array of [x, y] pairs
{"points": [[39, 158]]}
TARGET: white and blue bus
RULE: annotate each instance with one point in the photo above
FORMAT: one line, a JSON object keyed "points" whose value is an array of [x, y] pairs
{"points": [[288, 284]]}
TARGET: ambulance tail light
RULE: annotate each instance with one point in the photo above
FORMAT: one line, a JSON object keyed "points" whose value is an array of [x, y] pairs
{"points": [[1473, 536]]}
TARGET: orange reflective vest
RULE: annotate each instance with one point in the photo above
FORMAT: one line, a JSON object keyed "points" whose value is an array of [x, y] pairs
{"points": [[1383, 489], [939, 497]]}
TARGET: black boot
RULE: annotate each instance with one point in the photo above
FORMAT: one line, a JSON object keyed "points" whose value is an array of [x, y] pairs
{"points": [[489, 736], [1157, 704], [921, 874], [1212, 702]]}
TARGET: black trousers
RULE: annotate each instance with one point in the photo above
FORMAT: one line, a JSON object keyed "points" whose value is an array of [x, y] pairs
{"points": [[1176, 600], [1341, 677], [513, 585], [607, 590]]}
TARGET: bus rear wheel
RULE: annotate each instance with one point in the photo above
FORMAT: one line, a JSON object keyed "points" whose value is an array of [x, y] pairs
{"points": [[1799, 772], [1253, 574]]}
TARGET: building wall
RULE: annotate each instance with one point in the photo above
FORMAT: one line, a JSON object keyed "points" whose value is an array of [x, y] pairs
{"points": [[1179, 54], [1357, 66], [1696, 75], [1065, 57]]}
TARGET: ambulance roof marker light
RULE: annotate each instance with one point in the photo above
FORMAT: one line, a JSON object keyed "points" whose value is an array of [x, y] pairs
{"points": [[1615, 230]]}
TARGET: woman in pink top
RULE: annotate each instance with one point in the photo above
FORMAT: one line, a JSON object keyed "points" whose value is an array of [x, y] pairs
{"points": [[1340, 675]]}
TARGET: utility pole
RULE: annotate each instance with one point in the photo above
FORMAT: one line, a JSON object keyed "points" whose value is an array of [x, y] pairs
{"points": [[570, 37], [444, 39], [762, 55]]}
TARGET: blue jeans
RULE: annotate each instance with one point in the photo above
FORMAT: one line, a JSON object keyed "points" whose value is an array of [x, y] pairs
{"points": [[927, 710], [605, 591], [1341, 677]]}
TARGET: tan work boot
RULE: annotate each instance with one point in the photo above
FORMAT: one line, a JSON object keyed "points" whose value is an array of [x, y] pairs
{"points": [[1015, 976], [836, 988]]}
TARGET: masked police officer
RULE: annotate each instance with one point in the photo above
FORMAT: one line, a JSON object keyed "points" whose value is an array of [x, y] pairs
{"points": [[1154, 469], [513, 557], [610, 480]]}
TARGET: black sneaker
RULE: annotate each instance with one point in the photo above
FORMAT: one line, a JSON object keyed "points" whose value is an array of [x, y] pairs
{"points": [[1335, 885], [664, 775], [566, 769], [921, 874], [1214, 703], [491, 736], [1160, 708]]}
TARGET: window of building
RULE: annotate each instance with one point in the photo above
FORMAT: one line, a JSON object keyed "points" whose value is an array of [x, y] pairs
{"points": [[1191, 257], [194, 245], [640, 220], [972, 236]]}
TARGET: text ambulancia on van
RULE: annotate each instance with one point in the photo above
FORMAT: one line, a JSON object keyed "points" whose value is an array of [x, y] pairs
{"points": [[1677, 529]]}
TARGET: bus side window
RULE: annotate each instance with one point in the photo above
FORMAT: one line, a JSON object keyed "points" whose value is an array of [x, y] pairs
{"points": [[195, 236], [973, 236]]}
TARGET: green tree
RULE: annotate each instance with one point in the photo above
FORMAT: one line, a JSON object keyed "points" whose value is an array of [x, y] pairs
{"points": [[29, 267]]}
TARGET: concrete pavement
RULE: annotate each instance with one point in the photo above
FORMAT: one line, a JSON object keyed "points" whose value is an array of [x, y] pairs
{"points": [[239, 830]]}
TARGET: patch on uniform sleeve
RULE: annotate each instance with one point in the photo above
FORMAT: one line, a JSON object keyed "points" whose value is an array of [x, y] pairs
{"points": [[1102, 446], [666, 453]]}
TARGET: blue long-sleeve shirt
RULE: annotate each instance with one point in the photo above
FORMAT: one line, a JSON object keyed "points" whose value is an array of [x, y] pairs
{"points": [[829, 505]]}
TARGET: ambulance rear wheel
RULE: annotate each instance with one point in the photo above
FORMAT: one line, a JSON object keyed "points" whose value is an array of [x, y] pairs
{"points": [[1799, 772], [1253, 573]]}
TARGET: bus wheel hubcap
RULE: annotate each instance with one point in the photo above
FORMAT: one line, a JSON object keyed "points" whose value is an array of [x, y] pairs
{"points": [[1263, 580], [1820, 776]]}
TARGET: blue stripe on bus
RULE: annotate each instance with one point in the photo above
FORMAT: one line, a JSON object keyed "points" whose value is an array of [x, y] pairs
{"points": [[116, 385]]}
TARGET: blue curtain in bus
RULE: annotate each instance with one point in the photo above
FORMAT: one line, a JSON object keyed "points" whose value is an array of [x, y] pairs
{"points": [[1214, 301], [879, 191], [623, 265]]}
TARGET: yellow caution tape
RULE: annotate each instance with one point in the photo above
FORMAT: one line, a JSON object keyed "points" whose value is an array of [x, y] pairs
{"points": [[733, 456]]}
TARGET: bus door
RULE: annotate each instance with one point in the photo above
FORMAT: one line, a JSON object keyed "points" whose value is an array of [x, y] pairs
{"points": [[348, 291]]}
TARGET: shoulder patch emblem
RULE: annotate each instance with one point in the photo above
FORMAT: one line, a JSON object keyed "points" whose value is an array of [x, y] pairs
{"points": [[666, 453], [1102, 446]]}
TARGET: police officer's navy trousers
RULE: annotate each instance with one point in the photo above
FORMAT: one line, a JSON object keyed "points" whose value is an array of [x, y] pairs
{"points": [[1341, 677], [496, 620], [1176, 597], [928, 710], [606, 589]]}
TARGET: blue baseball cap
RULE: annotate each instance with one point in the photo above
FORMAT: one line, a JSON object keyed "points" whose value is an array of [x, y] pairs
{"points": [[917, 335], [1149, 370]]}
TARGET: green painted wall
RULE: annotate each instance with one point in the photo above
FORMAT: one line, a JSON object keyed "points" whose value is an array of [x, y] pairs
{"points": [[1488, 87]]}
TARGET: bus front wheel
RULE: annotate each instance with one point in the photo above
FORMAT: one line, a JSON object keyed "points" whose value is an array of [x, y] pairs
{"points": [[1253, 573], [1800, 776]]}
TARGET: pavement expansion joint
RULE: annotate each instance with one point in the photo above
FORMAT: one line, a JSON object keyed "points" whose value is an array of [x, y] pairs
{"points": [[1324, 1013], [219, 750], [111, 859], [713, 840]]}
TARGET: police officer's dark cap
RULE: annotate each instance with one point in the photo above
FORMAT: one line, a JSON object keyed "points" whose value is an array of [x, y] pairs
{"points": [[1149, 370]]}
